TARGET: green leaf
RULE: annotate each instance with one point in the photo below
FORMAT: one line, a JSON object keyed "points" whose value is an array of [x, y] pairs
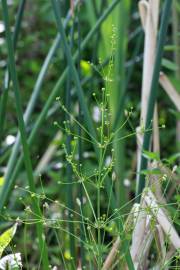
{"points": [[6, 238], [176, 83], [173, 158], [169, 65], [11, 262], [175, 113], [177, 197], [171, 48], [151, 155], [154, 171]]}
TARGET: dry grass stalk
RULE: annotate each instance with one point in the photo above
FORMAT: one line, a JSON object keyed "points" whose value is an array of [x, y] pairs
{"points": [[163, 226], [160, 241], [48, 153], [141, 262], [169, 255], [156, 142], [154, 179], [143, 217], [112, 255], [138, 232], [115, 248], [162, 218], [149, 12], [170, 90]]}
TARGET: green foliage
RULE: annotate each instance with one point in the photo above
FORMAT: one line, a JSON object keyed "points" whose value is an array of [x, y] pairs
{"points": [[6, 238], [76, 73]]}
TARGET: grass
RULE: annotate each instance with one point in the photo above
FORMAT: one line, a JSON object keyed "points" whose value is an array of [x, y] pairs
{"points": [[83, 205], [7, 78], [10, 178], [27, 159], [90, 127]]}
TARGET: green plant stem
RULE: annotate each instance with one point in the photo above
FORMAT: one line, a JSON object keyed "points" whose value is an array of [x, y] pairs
{"points": [[69, 196], [91, 12], [120, 87], [99, 228], [122, 100], [80, 145], [73, 70], [153, 94], [4, 97], [176, 28], [12, 67], [33, 99], [175, 24]]}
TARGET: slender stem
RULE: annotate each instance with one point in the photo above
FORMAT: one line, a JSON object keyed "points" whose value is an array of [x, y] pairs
{"points": [[33, 99], [120, 86], [176, 28], [153, 94], [80, 93], [99, 228], [122, 100], [80, 146], [4, 97], [69, 196], [12, 67]]}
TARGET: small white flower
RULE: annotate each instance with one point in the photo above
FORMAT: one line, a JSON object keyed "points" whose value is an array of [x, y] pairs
{"points": [[2, 28], [113, 176], [127, 182], [10, 139], [108, 161], [96, 114], [11, 260], [174, 169], [78, 202], [58, 165]]}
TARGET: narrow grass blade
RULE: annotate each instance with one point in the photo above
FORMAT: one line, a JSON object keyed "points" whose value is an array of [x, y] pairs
{"points": [[69, 173], [34, 97], [122, 100], [73, 70], [4, 97], [12, 67], [120, 89], [91, 12], [175, 24], [80, 146], [170, 90]]}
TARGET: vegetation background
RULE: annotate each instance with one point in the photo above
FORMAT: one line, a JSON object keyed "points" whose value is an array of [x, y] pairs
{"points": [[69, 172]]}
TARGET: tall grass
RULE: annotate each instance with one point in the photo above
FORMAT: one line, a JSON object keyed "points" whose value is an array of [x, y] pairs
{"points": [[11, 175], [81, 203], [92, 132], [27, 159], [4, 96]]}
